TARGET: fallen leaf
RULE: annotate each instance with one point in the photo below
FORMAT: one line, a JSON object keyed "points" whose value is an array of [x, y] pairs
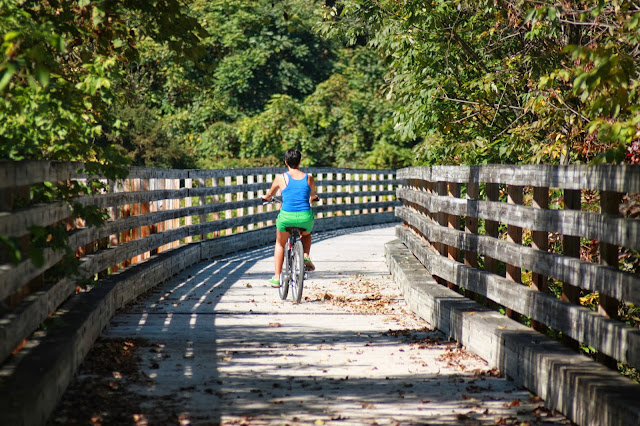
{"points": [[513, 403]]}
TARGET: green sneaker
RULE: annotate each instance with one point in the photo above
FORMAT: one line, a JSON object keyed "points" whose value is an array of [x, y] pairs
{"points": [[275, 283], [308, 264]]}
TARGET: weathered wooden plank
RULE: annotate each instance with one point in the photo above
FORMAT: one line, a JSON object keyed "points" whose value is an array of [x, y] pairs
{"points": [[17, 222], [328, 195], [13, 277], [27, 317], [592, 277], [602, 227], [351, 207], [13, 174], [357, 183], [607, 336], [101, 260], [228, 189], [219, 173], [20, 173], [218, 225], [136, 172], [317, 170], [615, 178], [114, 199]]}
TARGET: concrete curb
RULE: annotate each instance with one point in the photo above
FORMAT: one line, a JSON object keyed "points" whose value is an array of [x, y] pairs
{"points": [[580, 388]]}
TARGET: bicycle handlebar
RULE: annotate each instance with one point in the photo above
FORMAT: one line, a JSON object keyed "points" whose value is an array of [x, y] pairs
{"points": [[275, 200]]}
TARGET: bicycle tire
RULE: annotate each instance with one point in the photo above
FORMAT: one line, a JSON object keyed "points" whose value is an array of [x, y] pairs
{"points": [[297, 272], [285, 275]]}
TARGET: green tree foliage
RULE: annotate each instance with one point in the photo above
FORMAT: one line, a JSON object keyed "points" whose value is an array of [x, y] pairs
{"points": [[508, 80], [63, 67], [265, 48], [268, 81], [344, 122]]}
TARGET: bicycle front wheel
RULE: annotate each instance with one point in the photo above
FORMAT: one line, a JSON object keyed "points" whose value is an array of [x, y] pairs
{"points": [[297, 272], [285, 275]]}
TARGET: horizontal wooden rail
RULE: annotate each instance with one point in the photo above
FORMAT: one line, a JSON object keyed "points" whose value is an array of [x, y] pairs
{"points": [[619, 178]]}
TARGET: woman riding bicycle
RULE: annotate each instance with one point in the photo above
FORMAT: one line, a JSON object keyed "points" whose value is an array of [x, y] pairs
{"points": [[298, 191]]}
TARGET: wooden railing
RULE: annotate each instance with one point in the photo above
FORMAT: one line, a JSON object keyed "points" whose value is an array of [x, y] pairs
{"points": [[151, 212], [490, 233]]}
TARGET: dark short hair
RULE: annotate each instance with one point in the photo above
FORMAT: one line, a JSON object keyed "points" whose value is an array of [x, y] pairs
{"points": [[292, 158]]}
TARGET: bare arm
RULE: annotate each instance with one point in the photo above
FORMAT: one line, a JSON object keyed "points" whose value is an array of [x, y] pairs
{"points": [[278, 183], [313, 197]]}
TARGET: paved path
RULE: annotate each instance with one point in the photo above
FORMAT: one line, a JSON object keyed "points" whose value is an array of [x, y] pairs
{"points": [[218, 346]]}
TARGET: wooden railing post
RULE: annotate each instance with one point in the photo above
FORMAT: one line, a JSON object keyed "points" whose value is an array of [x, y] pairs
{"points": [[340, 188], [357, 189], [453, 222], [240, 197], [251, 195], [261, 193], [175, 203], [153, 185], [145, 208], [443, 220], [321, 189], [571, 248], [514, 235], [492, 193], [471, 227], [540, 241], [188, 202], [608, 306], [349, 199], [114, 214], [329, 189], [270, 207], [609, 204]]}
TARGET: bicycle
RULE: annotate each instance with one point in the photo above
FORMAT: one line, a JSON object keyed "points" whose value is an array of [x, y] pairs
{"points": [[293, 270]]}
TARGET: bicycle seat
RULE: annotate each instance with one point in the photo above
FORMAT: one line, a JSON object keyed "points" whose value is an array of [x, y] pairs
{"points": [[295, 228]]}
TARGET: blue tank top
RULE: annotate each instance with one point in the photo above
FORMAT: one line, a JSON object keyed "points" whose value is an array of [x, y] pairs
{"points": [[295, 196]]}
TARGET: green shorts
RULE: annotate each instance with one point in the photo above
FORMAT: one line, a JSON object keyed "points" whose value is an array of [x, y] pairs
{"points": [[297, 219]]}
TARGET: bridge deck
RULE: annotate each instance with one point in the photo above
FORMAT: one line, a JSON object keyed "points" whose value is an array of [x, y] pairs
{"points": [[218, 346]]}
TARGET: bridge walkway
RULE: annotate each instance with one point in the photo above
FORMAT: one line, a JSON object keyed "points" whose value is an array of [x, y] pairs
{"points": [[216, 345]]}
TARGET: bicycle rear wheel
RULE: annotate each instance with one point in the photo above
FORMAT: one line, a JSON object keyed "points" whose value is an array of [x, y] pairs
{"points": [[297, 272], [285, 275]]}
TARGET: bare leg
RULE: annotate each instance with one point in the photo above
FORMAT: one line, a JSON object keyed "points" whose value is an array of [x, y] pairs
{"points": [[306, 242], [306, 246], [278, 253]]}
